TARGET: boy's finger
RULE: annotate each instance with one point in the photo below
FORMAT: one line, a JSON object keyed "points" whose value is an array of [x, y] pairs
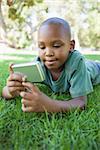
{"points": [[30, 86], [15, 77], [15, 89], [26, 102], [14, 83], [26, 95], [26, 109]]}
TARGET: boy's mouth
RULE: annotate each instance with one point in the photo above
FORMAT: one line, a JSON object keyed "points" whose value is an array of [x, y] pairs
{"points": [[50, 61]]}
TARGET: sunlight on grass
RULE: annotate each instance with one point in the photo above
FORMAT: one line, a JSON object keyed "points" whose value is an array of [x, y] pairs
{"points": [[16, 58], [4, 58]]}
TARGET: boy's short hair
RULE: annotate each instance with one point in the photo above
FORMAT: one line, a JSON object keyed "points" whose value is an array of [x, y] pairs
{"points": [[58, 21]]}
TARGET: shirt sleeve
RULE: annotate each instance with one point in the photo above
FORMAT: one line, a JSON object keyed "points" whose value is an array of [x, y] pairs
{"points": [[80, 81]]}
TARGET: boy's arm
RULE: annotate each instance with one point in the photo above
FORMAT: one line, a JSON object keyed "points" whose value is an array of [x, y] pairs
{"points": [[65, 106], [36, 101], [52, 105]]}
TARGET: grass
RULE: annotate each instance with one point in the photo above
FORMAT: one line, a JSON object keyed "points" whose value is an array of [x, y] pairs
{"points": [[47, 131]]}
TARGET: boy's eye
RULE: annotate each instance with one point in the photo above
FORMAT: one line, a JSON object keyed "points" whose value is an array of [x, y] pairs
{"points": [[57, 46], [42, 47]]}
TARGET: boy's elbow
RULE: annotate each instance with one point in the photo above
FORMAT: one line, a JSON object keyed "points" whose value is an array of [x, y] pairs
{"points": [[5, 94], [83, 102]]}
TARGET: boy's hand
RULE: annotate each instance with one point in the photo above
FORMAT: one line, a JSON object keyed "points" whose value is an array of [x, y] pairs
{"points": [[14, 82], [33, 100]]}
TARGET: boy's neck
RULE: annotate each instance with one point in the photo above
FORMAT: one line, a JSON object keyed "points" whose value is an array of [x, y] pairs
{"points": [[56, 73]]}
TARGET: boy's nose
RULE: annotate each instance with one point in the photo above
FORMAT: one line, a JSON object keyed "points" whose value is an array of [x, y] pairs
{"points": [[49, 52]]}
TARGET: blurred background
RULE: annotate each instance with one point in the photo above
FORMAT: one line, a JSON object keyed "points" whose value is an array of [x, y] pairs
{"points": [[20, 19]]}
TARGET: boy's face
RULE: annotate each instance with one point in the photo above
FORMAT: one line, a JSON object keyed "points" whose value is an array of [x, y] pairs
{"points": [[54, 46]]}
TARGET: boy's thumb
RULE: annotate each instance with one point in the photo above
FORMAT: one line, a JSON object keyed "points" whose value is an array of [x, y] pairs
{"points": [[24, 79], [10, 68]]}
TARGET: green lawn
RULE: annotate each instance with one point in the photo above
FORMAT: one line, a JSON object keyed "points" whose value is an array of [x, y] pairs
{"points": [[45, 131]]}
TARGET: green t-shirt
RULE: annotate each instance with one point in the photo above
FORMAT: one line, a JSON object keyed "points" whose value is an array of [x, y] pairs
{"points": [[77, 76]]}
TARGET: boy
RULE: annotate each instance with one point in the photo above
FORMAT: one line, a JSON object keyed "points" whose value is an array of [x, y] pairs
{"points": [[65, 70]]}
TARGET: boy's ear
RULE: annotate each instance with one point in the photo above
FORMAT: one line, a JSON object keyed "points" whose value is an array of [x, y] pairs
{"points": [[72, 45]]}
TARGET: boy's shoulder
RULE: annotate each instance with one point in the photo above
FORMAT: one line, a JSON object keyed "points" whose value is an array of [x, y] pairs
{"points": [[74, 55], [74, 59]]}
